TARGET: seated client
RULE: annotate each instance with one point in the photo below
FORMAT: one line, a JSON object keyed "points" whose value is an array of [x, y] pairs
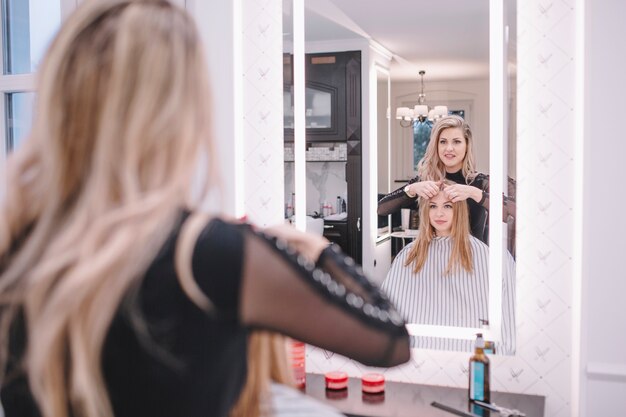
{"points": [[442, 278]]}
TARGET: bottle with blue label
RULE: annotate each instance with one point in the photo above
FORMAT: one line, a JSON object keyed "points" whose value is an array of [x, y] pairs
{"points": [[479, 372]]}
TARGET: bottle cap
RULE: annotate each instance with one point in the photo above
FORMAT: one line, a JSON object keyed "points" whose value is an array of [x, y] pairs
{"points": [[480, 342]]}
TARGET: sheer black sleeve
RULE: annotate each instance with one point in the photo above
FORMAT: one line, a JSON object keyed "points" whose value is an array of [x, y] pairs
{"points": [[509, 205], [328, 303], [397, 200]]}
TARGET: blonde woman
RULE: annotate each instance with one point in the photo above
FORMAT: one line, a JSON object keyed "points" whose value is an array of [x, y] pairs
{"points": [[117, 298], [442, 278], [450, 156]]}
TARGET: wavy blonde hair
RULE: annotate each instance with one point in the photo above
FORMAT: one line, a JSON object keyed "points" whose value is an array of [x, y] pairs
{"points": [[267, 362], [461, 255], [430, 167], [91, 196]]}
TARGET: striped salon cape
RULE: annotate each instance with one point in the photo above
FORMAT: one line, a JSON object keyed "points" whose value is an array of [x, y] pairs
{"points": [[459, 299]]}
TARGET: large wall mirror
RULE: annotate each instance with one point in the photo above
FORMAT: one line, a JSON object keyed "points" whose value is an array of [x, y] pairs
{"points": [[467, 51]]}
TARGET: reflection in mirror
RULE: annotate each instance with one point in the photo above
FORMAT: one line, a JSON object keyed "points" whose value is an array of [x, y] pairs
{"points": [[452, 44], [318, 106], [442, 278]]}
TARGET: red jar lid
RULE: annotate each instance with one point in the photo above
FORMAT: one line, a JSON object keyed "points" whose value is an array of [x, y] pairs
{"points": [[336, 380], [373, 383]]}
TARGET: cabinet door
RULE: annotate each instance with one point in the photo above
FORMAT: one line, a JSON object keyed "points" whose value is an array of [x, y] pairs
{"points": [[337, 232], [326, 97], [333, 90]]}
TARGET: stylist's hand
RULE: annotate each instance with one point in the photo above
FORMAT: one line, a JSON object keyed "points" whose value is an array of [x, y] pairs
{"points": [[425, 189], [307, 244], [461, 192]]}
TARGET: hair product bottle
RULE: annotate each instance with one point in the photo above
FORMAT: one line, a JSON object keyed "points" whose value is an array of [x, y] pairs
{"points": [[479, 372]]}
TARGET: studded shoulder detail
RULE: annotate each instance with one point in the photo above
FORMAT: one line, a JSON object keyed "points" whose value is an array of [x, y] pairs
{"points": [[363, 298]]}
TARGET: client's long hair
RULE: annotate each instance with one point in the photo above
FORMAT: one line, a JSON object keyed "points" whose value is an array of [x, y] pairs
{"points": [[461, 255], [267, 362], [91, 196]]}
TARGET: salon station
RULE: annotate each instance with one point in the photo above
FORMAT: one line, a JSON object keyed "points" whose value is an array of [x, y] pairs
{"points": [[329, 106]]}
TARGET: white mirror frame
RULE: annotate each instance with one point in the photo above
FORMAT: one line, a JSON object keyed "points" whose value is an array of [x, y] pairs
{"points": [[377, 68], [497, 129], [299, 130]]}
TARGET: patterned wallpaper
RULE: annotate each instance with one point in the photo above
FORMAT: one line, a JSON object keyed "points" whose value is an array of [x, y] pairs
{"points": [[263, 114], [545, 88]]}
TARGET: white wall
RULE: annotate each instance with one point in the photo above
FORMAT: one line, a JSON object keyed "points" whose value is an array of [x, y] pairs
{"points": [[262, 117], [219, 24], [603, 349], [384, 185]]}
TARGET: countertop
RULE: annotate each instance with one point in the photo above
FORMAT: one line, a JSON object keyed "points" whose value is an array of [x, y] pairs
{"points": [[413, 400]]}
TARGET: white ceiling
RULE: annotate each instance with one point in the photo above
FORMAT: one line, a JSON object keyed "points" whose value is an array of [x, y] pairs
{"points": [[449, 39]]}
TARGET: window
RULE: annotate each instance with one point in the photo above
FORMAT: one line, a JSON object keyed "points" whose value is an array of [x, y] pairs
{"points": [[27, 27], [18, 117]]}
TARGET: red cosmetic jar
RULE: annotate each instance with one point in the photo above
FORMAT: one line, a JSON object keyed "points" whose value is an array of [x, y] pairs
{"points": [[336, 380], [373, 383]]}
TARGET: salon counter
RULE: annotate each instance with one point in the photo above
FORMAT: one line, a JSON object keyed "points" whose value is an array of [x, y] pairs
{"points": [[413, 400]]}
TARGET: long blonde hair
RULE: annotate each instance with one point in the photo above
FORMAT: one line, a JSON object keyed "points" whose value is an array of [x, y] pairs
{"points": [[267, 362], [461, 255], [91, 196], [430, 167]]}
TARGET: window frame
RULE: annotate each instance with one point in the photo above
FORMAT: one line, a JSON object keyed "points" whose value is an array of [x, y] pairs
{"points": [[20, 83]]}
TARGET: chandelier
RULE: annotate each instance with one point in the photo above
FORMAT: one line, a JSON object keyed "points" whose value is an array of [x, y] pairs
{"points": [[420, 113]]}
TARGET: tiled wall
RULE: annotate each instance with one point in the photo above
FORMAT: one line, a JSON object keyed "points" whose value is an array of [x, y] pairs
{"points": [[262, 105], [546, 88]]}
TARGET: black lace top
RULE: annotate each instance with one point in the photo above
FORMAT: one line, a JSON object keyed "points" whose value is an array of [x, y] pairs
{"points": [[191, 363]]}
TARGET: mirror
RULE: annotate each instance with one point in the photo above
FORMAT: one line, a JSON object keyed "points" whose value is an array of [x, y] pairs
{"points": [[452, 41]]}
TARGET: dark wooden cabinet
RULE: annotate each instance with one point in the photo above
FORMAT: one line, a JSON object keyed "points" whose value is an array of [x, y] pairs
{"points": [[333, 106], [333, 96], [337, 232]]}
